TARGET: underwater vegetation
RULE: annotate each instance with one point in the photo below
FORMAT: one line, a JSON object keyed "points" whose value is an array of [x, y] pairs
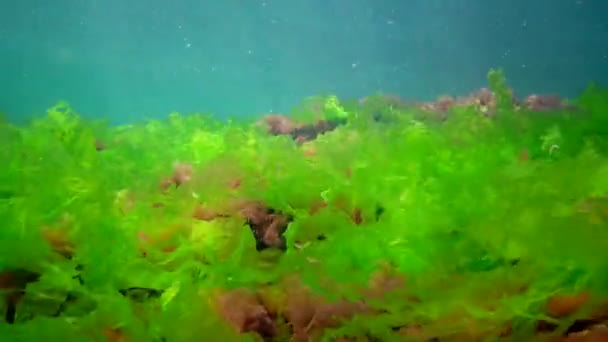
{"points": [[468, 219]]}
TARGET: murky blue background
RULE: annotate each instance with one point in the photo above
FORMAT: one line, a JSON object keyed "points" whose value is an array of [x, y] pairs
{"points": [[133, 59]]}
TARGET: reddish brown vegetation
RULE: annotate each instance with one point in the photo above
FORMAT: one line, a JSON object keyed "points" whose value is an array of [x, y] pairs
{"points": [[386, 281], [114, 335], [316, 206], [12, 287], [204, 213], [524, 156], [182, 173], [59, 241], [278, 124], [58, 237], [484, 100], [564, 305], [598, 333], [267, 225], [294, 307], [244, 311], [166, 240], [538, 103], [309, 316], [100, 145]]}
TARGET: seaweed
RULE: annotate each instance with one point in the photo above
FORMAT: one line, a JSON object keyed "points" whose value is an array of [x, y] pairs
{"points": [[475, 218]]}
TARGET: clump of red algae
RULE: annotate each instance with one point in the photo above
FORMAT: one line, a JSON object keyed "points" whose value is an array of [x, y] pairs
{"points": [[484, 100], [244, 311], [278, 124], [548, 102], [13, 284], [165, 240], [590, 324], [267, 225], [100, 145], [564, 305], [182, 173], [307, 315], [598, 333], [114, 335]]}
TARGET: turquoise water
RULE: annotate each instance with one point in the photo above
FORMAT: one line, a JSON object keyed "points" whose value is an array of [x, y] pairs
{"points": [[147, 58]]}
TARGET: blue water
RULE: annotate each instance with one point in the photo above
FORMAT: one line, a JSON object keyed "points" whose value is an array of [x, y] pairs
{"points": [[128, 60]]}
